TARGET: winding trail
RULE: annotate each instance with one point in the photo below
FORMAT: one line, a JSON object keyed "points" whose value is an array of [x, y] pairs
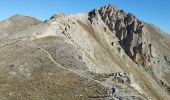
{"points": [[72, 71], [156, 87]]}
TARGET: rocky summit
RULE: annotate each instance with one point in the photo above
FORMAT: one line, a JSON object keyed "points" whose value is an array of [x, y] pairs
{"points": [[105, 54]]}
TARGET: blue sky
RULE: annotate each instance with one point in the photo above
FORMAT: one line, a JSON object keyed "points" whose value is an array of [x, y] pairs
{"points": [[153, 11]]}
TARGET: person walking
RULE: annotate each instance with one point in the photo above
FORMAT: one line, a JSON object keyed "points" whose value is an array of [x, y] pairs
{"points": [[113, 90]]}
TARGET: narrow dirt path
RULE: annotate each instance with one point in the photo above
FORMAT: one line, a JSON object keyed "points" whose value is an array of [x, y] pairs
{"points": [[72, 71]]}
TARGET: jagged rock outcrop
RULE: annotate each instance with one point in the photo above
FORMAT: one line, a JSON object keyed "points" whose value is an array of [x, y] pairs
{"points": [[132, 35], [124, 78], [142, 42]]}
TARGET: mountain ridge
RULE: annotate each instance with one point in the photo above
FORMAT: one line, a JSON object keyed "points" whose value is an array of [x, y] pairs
{"points": [[99, 45]]}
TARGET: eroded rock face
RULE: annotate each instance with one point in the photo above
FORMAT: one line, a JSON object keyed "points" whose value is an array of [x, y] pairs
{"points": [[130, 31]]}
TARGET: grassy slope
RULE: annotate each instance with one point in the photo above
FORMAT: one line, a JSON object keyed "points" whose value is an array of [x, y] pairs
{"points": [[46, 80]]}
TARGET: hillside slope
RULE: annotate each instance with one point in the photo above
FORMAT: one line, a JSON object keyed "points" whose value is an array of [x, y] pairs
{"points": [[15, 24], [81, 56]]}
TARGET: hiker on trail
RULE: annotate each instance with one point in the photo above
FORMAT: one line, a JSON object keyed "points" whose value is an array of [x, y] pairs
{"points": [[113, 90]]}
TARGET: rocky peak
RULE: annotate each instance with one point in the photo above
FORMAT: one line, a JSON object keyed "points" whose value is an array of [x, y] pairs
{"points": [[55, 17], [130, 31]]}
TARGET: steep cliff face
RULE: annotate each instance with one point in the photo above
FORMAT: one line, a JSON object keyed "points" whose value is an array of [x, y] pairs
{"points": [[132, 35]]}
